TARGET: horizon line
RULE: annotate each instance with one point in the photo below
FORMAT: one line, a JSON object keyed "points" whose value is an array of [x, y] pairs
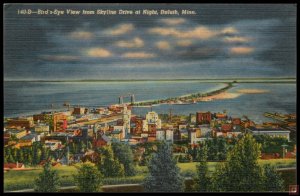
{"points": [[147, 79]]}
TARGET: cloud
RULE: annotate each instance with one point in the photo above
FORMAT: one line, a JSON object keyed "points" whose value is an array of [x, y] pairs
{"points": [[120, 30], [196, 33], [236, 39], [138, 55], [184, 43], [60, 57], [163, 45], [229, 30], [98, 52], [173, 21], [134, 43], [241, 50], [200, 32], [85, 35]]}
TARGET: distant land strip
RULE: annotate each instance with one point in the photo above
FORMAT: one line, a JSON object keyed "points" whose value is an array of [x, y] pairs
{"points": [[238, 80]]}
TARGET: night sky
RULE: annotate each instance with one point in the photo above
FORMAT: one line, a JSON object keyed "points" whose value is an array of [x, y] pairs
{"points": [[220, 41]]}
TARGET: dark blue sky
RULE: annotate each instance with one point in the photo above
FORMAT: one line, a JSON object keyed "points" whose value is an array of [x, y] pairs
{"points": [[220, 41]]}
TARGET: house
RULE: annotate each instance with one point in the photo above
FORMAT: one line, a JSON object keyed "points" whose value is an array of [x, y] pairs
{"points": [[200, 133], [195, 136], [144, 135], [31, 137], [222, 116], [17, 133], [20, 122], [53, 144], [8, 166], [203, 117], [170, 135], [151, 139], [270, 131], [182, 126], [235, 131], [167, 135], [151, 123], [226, 127], [102, 140], [236, 121], [160, 135], [120, 129], [79, 111], [205, 130], [192, 118], [116, 134], [184, 134], [42, 128]]}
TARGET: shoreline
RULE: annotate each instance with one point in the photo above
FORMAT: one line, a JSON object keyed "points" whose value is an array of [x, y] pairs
{"points": [[190, 98]]}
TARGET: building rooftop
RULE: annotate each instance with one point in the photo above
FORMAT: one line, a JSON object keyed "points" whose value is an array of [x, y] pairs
{"points": [[28, 137], [266, 129], [116, 132], [14, 131]]}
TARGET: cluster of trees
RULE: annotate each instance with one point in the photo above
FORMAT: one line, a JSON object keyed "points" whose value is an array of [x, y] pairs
{"points": [[184, 158], [79, 146], [116, 160], [272, 144], [87, 179], [150, 148], [217, 149], [240, 173], [30, 155]]}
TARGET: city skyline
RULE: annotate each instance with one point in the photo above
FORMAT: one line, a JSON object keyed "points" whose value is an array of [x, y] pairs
{"points": [[219, 41]]}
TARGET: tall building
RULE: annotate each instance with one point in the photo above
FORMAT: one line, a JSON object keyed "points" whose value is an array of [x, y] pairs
{"points": [[203, 118], [167, 135], [160, 135], [126, 120], [152, 118], [79, 111], [170, 135], [20, 123]]}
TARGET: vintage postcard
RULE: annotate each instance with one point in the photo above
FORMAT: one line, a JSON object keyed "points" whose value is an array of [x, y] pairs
{"points": [[150, 98]]}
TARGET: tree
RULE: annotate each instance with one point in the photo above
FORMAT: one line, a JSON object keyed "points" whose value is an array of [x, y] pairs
{"points": [[88, 178], [202, 181], [272, 179], [164, 174], [10, 159], [5, 159], [124, 154], [83, 146], [20, 156], [44, 153], [241, 172], [48, 180], [36, 155], [28, 160], [222, 148], [108, 165], [90, 145]]}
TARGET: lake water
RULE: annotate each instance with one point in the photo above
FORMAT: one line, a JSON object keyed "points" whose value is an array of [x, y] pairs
{"points": [[24, 98]]}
